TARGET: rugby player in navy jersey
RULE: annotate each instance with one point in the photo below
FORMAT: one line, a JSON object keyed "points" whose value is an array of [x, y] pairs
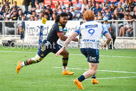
{"points": [[50, 45]]}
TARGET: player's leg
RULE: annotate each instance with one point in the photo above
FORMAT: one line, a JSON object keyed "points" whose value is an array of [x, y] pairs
{"points": [[40, 55], [94, 80], [65, 57], [29, 61], [92, 70], [93, 60]]}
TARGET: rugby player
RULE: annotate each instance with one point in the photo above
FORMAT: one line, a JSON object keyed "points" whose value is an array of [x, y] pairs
{"points": [[50, 45], [91, 33]]}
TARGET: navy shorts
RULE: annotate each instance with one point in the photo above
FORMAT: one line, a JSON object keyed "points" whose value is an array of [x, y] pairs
{"points": [[46, 49], [92, 55]]}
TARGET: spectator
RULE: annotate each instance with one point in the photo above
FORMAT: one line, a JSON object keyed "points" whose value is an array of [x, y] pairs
{"points": [[54, 10], [99, 16], [52, 4], [54, 15], [120, 9], [116, 15], [43, 6], [129, 32], [26, 3], [132, 4], [34, 13], [6, 11], [0, 9], [123, 3], [36, 18], [33, 3], [108, 13], [5, 2], [46, 15], [58, 4], [41, 14], [50, 9], [97, 8], [38, 10], [70, 16], [14, 6], [59, 10], [72, 11], [91, 6], [14, 16], [107, 3], [70, 4], [134, 15], [20, 14], [49, 14], [32, 18], [84, 6], [93, 3], [77, 6], [125, 27], [126, 6], [37, 4], [113, 7], [62, 5]]}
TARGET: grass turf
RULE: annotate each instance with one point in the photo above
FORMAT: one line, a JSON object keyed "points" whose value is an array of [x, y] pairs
{"points": [[45, 77]]}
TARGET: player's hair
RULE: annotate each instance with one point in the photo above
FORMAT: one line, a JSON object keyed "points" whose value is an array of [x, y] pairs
{"points": [[88, 15], [60, 15]]}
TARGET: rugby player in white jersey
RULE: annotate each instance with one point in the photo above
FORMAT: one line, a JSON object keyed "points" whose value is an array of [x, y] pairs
{"points": [[91, 33]]}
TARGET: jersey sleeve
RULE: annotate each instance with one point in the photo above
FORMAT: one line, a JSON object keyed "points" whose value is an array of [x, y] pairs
{"points": [[59, 29], [78, 31], [104, 30]]}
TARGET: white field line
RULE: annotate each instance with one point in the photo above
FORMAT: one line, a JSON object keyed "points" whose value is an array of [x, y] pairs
{"points": [[100, 70], [116, 77], [70, 54]]}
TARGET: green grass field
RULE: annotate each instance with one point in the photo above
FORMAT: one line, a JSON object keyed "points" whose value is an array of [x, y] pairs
{"points": [[117, 71]]}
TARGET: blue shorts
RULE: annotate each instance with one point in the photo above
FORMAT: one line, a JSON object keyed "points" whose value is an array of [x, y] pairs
{"points": [[46, 49], [92, 55]]}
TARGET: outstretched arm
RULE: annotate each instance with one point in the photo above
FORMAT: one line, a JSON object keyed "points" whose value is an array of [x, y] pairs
{"points": [[68, 40], [63, 37]]}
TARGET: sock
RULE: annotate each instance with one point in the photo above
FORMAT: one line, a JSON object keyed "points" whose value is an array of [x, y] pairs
{"points": [[94, 76], [64, 68], [81, 78], [22, 64], [28, 62], [65, 62]]}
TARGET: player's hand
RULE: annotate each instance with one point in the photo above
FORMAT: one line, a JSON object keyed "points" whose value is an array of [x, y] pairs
{"points": [[60, 51]]}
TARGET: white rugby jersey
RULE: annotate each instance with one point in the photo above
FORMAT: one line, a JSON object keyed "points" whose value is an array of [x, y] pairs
{"points": [[90, 34]]}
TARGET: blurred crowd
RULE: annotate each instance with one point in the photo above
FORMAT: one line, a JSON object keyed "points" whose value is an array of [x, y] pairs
{"points": [[34, 10], [119, 10]]}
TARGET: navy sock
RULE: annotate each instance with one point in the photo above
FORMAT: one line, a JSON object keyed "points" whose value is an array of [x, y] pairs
{"points": [[81, 78], [65, 61], [94, 76]]}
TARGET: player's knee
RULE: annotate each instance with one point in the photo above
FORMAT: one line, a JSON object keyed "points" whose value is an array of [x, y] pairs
{"points": [[66, 54], [36, 59]]}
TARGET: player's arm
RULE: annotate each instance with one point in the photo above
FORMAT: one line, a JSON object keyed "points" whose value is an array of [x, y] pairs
{"points": [[63, 37], [68, 40]]}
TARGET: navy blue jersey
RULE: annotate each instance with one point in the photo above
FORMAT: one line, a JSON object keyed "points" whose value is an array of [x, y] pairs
{"points": [[52, 36]]}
